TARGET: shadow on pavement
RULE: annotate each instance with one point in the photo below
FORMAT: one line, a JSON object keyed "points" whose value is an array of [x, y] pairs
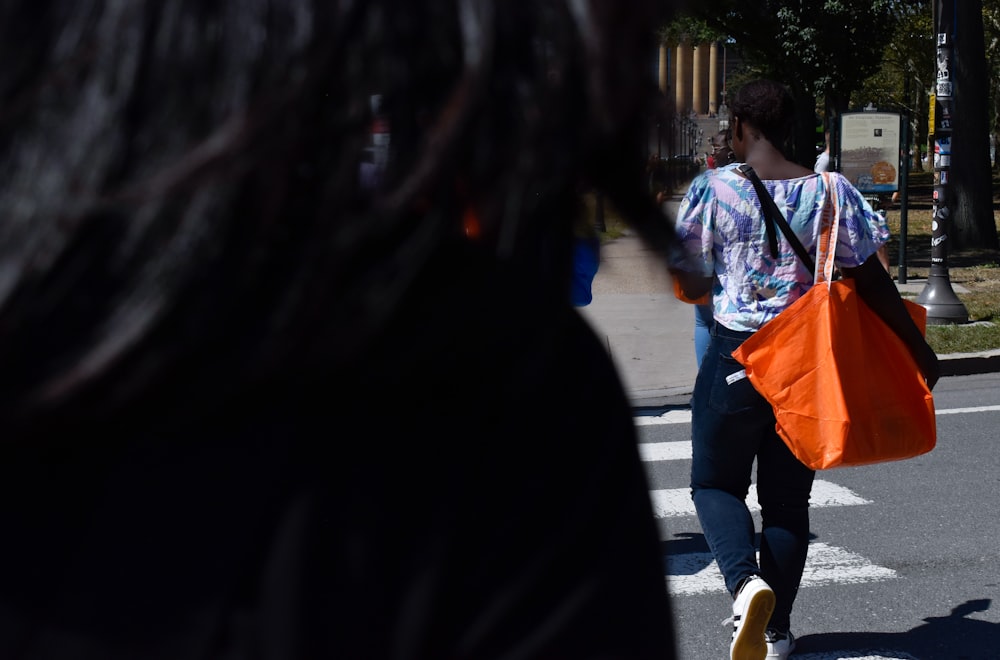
{"points": [[951, 637]]}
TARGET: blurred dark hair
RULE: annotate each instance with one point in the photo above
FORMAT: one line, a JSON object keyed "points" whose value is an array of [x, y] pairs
{"points": [[767, 106], [181, 188]]}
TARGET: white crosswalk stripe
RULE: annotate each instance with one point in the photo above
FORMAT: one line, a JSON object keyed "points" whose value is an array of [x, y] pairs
{"points": [[676, 502], [669, 417], [665, 451], [697, 573]]}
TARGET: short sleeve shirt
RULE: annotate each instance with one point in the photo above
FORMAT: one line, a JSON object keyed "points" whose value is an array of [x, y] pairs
{"points": [[721, 229]]}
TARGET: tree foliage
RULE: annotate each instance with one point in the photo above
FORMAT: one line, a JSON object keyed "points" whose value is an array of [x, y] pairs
{"points": [[837, 55], [822, 51], [906, 77]]}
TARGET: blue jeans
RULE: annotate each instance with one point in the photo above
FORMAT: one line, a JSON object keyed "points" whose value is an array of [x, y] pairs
{"points": [[704, 318], [731, 425]]}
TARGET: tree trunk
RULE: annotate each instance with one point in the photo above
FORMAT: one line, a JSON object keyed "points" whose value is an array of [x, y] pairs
{"points": [[973, 224]]}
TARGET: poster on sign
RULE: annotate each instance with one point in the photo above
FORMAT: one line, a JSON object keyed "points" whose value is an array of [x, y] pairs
{"points": [[869, 150]]}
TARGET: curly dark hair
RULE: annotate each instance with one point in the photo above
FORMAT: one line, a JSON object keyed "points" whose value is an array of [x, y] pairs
{"points": [[185, 191], [250, 250], [768, 107]]}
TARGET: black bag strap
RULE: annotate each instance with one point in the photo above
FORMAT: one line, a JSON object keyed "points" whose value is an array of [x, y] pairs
{"points": [[772, 216]]}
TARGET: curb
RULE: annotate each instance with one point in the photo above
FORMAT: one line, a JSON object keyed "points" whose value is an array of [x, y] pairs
{"points": [[967, 364]]}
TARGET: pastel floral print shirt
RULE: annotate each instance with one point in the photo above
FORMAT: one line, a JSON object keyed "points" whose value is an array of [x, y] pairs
{"points": [[721, 228]]}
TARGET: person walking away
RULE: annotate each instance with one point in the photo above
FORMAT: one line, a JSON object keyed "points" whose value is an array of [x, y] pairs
{"points": [[720, 223]]}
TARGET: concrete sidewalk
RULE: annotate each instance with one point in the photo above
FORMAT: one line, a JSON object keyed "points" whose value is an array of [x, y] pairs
{"points": [[650, 334]]}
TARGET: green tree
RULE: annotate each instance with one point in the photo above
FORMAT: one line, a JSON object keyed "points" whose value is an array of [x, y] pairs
{"points": [[837, 54], [907, 75], [821, 50]]}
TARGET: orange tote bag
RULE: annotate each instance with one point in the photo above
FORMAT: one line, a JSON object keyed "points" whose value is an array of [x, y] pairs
{"points": [[844, 388]]}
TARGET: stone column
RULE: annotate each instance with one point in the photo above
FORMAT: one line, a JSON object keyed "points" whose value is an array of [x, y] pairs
{"points": [[662, 71], [713, 79], [682, 92], [697, 73]]}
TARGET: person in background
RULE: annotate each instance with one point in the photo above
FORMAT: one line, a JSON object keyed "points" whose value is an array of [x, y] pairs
{"points": [[263, 401], [722, 151], [882, 208], [823, 158], [824, 164], [721, 225], [586, 261], [658, 177]]}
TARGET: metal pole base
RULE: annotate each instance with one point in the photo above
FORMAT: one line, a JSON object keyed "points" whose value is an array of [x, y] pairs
{"points": [[943, 306]]}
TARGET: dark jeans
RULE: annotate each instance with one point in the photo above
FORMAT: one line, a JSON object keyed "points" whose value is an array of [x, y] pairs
{"points": [[731, 426]]}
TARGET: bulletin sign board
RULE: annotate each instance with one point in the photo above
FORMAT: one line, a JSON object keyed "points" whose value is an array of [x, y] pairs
{"points": [[869, 150]]}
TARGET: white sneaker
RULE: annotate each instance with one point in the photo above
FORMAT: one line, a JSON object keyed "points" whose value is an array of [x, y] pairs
{"points": [[751, 613], [779, 645]]}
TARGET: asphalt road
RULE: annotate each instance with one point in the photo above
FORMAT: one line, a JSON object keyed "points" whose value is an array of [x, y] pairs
{"points": [[904, 560]]}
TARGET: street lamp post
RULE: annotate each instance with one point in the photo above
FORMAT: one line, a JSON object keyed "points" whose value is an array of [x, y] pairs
{"points": [[943, 306]]}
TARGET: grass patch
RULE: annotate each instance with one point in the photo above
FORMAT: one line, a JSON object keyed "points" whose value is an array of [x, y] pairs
{"points": [[966, 338], [975, 278]]}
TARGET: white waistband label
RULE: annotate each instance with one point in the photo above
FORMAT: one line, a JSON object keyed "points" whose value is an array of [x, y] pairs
{"points": [[735, 376]]}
